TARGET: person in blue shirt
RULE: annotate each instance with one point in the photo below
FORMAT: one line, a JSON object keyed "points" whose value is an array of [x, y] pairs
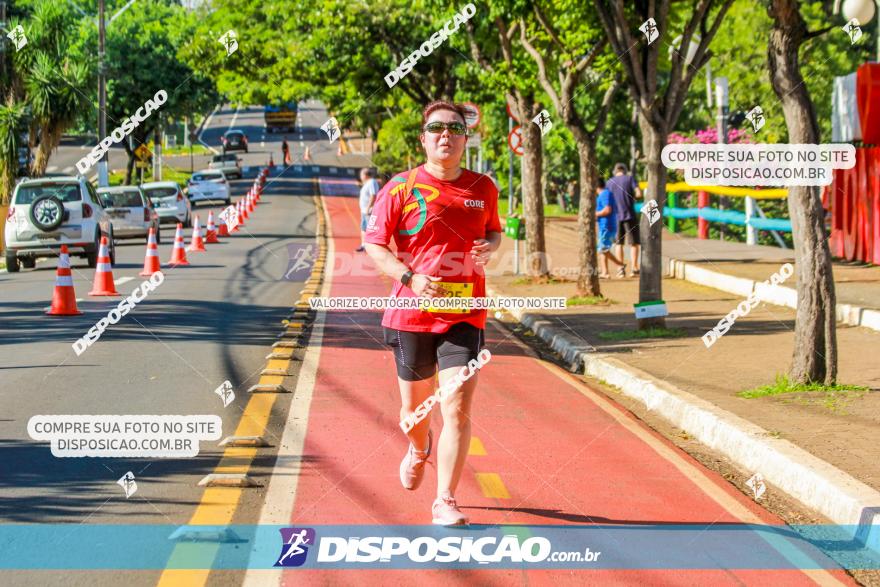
{"points": [[606, 218]]}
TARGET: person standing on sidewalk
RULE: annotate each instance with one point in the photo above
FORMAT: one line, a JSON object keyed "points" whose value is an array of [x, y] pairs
{"points": [[606, 219], [369, 189], [625, 191], [285, 151], [444, 222]]}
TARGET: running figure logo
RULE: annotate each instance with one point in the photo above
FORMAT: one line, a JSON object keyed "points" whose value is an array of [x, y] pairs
{"points": [[128, 484], [302, 257], [295, 546], [649, 27], [331, 127], [756, 484], [651, 211], [854, 31], [17, 37], [230, 41], [756, 117], [225, 392], [543, 121]]}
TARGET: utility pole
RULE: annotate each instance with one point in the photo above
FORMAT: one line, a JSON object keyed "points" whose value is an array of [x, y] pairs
{"points": [[722, 107], [103, 178]]}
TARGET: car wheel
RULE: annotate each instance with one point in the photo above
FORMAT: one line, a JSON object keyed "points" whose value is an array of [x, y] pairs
{"points": [[92, 256], [47, 213], [189, 221], [11, 262], [158, 235], [112, 242], [29, 262]]}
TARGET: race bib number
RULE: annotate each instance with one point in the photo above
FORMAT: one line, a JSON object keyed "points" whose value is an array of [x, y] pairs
{"points": [[453, 290]]}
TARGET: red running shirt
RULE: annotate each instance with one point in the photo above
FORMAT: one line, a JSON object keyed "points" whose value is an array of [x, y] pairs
{"points": [[434, 230]]}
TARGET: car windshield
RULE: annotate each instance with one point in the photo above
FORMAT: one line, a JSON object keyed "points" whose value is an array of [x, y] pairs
{"points": [[206, 176], [126, 199], [159, 193], [223, 158], [66, 192]]}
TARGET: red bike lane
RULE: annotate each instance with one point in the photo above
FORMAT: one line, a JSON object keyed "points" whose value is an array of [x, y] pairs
{"points": [[546, 450]]}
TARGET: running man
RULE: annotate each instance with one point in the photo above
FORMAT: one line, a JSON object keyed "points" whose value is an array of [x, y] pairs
{"points": [[444, 222]]}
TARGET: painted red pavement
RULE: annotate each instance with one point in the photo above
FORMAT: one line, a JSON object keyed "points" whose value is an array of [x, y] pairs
{"points": [[563, 457]]}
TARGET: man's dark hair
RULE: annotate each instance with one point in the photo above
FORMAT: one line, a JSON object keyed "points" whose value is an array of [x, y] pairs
{"points": [[369, 172], [619, 167], [442, 105], [601, 182]]}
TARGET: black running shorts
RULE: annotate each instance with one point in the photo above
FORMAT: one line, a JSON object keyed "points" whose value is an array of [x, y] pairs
{"points": [[418, 354]]}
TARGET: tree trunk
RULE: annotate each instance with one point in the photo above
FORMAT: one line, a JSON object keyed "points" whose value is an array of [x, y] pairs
{"points": [[50, 137], [814, 359], [533, 201], [651, 273], [588, 276]]}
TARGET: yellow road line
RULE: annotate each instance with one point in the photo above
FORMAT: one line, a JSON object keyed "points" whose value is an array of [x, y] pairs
{"points": [[476, 449], [492, 486]]}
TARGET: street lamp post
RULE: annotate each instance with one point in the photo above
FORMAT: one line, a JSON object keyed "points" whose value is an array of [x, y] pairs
{"points": [[103, 177]]}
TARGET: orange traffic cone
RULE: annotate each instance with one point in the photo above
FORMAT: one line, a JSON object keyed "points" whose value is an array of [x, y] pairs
{"points": [[222, 231], [250, 202], [103, 285], [178, 253], [151, 260], [239, 215], [196, 244], [271, 162], [244, 211], [212, 230], [63, 298]]}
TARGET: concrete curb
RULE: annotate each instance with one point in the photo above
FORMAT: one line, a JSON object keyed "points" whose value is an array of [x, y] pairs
{"points": [[814, 482], [780, 295]]}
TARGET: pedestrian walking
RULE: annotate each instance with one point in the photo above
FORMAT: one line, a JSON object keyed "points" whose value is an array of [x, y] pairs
{"points": [[444, 222], [625, 191], [606, 221], [369, 189]]}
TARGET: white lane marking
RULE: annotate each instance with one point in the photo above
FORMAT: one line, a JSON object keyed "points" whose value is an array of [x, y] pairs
{"points": [[262, 143], [302, 144], [234, 118], [206, 125], [68, 169], [122, 280], [51, 168]]}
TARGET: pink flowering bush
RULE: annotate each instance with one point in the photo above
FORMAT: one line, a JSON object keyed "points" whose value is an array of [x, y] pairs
{"points": [[710, 135]]}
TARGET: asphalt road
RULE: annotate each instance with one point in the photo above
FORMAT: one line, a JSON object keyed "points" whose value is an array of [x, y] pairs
{"points": [[212, 321]]}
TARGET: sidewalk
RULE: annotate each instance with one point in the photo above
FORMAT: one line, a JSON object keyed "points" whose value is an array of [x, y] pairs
{"points": [[841, 429]]}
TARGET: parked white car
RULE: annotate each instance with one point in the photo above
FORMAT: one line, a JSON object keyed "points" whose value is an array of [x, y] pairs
{"points": [[228, 163], [130, 212], [208, 185], [46, 213], [169, 202]]}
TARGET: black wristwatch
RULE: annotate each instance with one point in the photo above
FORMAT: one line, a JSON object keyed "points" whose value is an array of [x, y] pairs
{"points": [[406, 278]]}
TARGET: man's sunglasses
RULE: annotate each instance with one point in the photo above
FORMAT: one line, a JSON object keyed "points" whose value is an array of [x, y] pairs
{"points": [[456, 128]]}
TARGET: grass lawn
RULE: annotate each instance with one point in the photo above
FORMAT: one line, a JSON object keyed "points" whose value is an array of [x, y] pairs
{"points": [[197, 149], [550, 210], [783, 385], [168, 174], [637, 334]]}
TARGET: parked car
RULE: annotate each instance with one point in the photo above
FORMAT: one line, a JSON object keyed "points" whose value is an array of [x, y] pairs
{"points": [[208, 185], [235, 140], [46, 213], [228, 163], [169, 202], [130, 212]]}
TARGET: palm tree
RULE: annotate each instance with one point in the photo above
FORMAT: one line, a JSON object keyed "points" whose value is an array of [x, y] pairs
{"points": [[12, 119]]}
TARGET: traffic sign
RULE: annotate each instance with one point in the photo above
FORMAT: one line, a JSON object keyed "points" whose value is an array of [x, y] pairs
{"points": [[514, 140], [472, 114], [510, 114], [474, 141], [142, 152]]}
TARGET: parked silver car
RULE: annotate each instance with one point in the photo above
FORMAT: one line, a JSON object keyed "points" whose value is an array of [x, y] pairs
{"points": [[170, 203], [130, 212], [48, 212]]}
